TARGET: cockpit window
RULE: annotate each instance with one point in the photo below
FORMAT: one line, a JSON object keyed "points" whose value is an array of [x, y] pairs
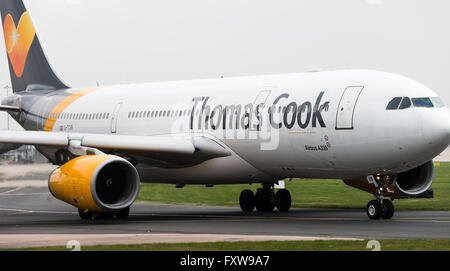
{"points": [[406, 103], [394, 103], [437, 102], [422, 102]]}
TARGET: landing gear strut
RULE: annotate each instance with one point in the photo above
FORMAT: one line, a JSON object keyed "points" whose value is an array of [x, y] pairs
{"points": [[265, 199], [381, 207]]}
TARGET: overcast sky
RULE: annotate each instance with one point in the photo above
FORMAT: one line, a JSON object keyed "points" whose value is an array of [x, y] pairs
{"points": [[124, 41]]}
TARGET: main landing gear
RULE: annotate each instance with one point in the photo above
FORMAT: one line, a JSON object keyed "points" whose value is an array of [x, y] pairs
{"points": [[265, 199], [122, 214], [380, 207]]}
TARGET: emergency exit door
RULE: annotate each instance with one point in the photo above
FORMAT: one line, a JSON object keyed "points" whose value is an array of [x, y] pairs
{"points": [[346, 109]]}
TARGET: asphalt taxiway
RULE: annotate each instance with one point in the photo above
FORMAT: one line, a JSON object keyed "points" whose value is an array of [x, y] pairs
{"points": [[30, 216]]}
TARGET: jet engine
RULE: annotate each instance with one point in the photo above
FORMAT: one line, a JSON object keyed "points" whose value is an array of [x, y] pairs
{"points": [[412, 183], [96, 183], [415, 181]]}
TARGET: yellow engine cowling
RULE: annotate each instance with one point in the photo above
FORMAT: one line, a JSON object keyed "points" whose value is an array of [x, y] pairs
{"points": [[96, 183]]}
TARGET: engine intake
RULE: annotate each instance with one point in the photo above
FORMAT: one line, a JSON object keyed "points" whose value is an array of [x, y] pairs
{"points": [[412, 183], [96, 183], [415, 181]]}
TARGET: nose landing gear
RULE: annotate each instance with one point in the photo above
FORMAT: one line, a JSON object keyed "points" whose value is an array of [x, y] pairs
{"points": [[380, 208], [265, 199], [377, 209]]}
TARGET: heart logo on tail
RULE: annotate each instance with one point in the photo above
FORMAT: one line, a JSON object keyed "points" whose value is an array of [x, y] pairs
{"points": [[18, 41]]}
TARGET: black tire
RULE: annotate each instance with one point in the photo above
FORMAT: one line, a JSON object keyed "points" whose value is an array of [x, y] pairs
{"points": [[247, 201], [284, 200], [388, 209], [374, 209], [123, 214], [265, 200], [84, 215]]}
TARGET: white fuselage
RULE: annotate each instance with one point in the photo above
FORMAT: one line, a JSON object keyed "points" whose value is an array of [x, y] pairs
{"points": [[307, 125]]}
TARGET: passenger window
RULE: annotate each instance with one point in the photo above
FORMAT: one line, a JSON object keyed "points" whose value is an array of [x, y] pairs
{"points": [[437, 102], [406, 103], [422, 102], [394, 103]]}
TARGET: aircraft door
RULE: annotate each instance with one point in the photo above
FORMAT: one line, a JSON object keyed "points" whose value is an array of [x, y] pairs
{"points": [[346, 109], [115, 117]]}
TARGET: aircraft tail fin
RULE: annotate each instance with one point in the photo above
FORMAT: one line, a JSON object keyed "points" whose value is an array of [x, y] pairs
{"points": [[28, 65]]}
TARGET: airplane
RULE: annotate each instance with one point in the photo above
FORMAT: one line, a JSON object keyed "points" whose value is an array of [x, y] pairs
{"points": [[376, 131]]}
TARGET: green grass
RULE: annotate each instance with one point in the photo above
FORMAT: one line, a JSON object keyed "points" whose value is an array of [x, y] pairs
{"points": [[305, 193], [386, 245]]}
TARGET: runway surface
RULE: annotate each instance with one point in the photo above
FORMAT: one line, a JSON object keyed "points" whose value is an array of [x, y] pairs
{"points": [[29, 214]]}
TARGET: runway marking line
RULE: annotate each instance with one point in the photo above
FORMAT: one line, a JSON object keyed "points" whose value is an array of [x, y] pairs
{"points": [[427, 220], [28, 194], [254, 218], [35, 211], [45, 240], [12, 190]]}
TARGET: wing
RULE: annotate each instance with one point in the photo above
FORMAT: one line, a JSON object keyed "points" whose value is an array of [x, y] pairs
{"points": [[9, 108], [165, 150]]}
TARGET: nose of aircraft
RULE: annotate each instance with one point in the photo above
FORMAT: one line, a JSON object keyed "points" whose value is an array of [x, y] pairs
{"points": [[437, 128]]}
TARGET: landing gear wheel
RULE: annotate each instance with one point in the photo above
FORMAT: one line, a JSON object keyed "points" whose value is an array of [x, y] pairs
{"points": [[247, 201], [123, 214], [84, 215], [374, 209], [283, 200], [265, 200], [388, 209]]}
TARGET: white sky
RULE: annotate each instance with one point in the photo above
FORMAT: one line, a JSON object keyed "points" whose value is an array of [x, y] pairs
{"points": [[118, 41]]}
